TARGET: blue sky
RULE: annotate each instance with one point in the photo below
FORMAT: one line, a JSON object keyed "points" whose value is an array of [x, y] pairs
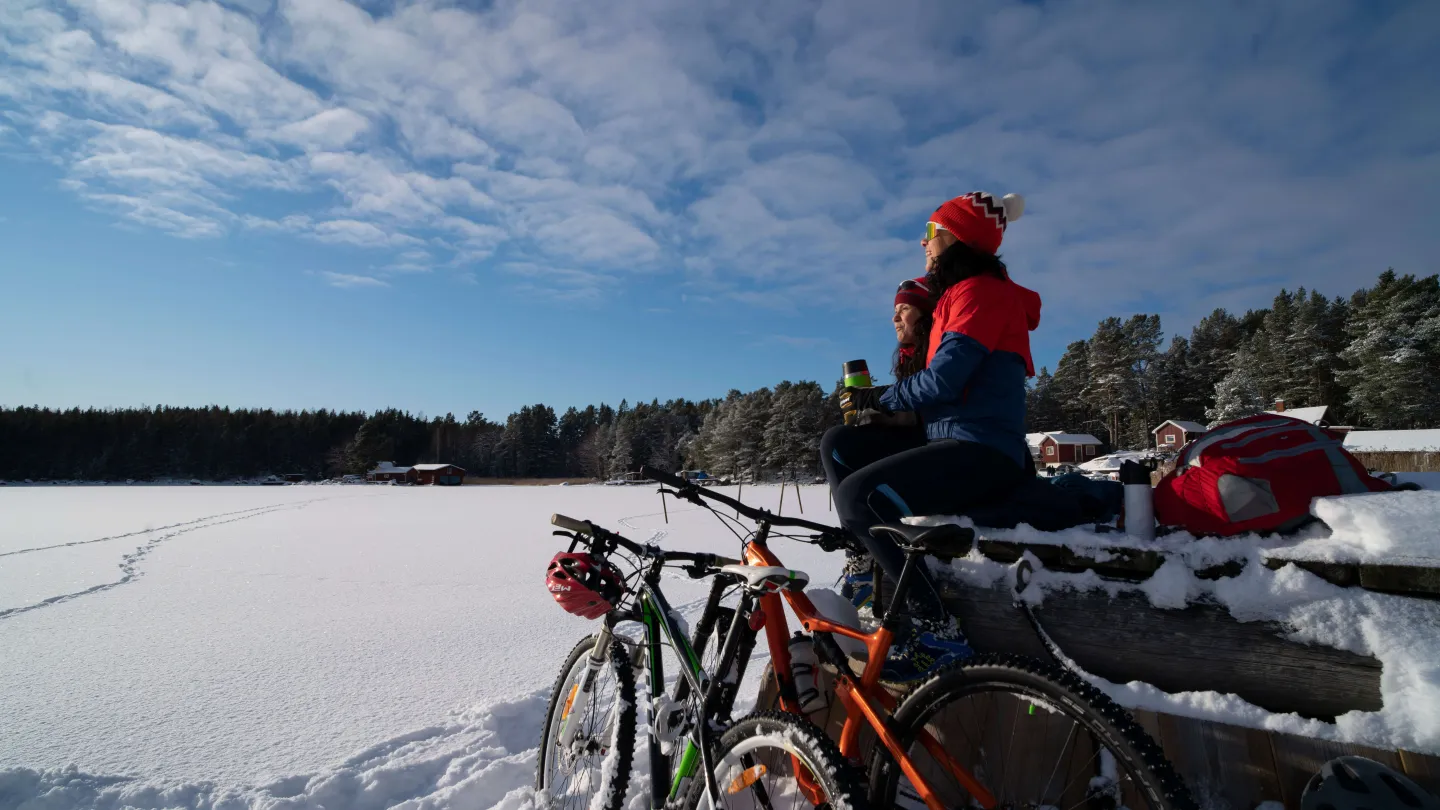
{"points": [[446, 207]]}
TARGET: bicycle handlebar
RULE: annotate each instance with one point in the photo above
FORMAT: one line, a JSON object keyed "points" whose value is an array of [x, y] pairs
{"points": [[686, 488], [589, 529], [570, 524]]}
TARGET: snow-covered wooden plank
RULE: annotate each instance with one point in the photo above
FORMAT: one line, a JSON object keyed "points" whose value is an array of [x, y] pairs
{"points": [[1200, 648]]}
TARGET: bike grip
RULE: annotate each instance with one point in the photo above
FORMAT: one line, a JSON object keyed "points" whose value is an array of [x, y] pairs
{"points": [[662, 477], [571, 524]]}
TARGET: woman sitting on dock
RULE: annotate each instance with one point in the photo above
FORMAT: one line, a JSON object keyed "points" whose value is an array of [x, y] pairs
{"points": [[970, 397]]}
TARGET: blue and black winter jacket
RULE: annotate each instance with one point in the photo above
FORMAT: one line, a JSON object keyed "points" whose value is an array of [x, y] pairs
{"points": [[973, 385]]}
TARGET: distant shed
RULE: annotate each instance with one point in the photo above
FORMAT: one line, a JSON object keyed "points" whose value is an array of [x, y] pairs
{"points": [[1174, 434], [445, 475], [1396, 450], [1068, 448]]}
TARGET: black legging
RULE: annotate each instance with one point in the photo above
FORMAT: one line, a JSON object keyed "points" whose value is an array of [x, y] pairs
{"points": [[879, 475]]}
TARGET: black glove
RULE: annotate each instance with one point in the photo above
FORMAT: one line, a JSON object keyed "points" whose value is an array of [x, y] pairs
{"points": [[854, 400]]}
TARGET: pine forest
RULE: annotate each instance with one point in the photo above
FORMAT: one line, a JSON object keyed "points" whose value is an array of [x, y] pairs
{"points": [[1373, 358]]}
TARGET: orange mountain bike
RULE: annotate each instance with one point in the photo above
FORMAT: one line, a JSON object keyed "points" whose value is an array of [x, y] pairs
{"points": [[992, 731]]}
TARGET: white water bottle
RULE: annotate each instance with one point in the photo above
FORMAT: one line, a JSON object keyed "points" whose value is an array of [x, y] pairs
{"points": [[1139, 501], [805, 666]]}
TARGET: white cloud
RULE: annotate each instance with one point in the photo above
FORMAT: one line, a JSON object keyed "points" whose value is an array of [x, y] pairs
{"points": [[348, 281], [779, 153], [151, 212], [329, 129], [360, 234], [145, 157]]}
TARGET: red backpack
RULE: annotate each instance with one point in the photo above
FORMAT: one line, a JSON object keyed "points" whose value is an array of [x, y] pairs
{"points": [[1257, 474]]}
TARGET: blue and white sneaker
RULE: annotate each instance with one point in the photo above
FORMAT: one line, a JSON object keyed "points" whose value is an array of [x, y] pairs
{"points": [[858, 584], [932, 645], [859, 588]]}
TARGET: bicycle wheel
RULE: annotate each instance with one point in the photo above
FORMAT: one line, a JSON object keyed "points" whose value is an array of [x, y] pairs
{"points": [[772, 759], [1031, 734], [598, 761]]}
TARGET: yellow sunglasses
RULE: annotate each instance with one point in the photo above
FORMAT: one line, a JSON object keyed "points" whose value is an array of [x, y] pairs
{"points": [[930, 229]]}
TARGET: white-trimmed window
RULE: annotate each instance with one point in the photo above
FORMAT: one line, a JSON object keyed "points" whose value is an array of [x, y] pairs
{"points": [[1089, 449], [1169, 438], [1049, 449]]}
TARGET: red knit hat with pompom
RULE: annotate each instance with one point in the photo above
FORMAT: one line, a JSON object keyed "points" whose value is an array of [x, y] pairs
{"points": [[978, 219]]}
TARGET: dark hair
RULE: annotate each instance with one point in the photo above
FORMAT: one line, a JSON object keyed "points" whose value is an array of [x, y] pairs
{"points": [[959, 262], [904, 365]]}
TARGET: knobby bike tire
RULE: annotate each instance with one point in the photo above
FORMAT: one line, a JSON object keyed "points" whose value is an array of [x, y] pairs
{"points": [[614, 767], [775, 737], [1057, 691]]}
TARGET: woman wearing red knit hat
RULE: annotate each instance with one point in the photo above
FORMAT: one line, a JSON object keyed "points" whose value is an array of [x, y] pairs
{"points": [[913, 319], [970, 396]]}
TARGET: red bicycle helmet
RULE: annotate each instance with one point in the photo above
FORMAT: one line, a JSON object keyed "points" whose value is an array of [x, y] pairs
{"points": [[582, 584]]}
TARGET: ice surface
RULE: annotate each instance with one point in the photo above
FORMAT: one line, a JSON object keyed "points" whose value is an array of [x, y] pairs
{"points": [[253, 651], [94, 514], [481, 757]]}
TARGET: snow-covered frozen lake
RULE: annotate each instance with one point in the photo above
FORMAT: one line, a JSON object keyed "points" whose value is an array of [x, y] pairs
{"points": [[300, 646]]}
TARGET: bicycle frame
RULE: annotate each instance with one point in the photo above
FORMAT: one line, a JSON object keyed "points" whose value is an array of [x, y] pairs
{"points": [[866, 702], [659, 625]]}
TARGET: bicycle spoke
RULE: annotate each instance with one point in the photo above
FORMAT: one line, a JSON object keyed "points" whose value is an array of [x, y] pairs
{"points": [[1068, 739]]}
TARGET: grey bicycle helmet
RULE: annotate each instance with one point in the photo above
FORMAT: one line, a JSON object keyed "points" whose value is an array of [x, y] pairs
{"points": [[1357, 783]]}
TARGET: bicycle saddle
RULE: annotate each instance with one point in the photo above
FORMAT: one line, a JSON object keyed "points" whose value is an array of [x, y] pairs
{"points": [[946, 540], [769, 578]]}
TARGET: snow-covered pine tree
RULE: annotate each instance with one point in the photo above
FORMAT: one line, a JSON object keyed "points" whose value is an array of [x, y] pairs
{"points": [[792, 436], [1394, 350], [1238, 394], [720, 438], [1178, 391], [1111, 389], [1212, 342], [1071, 378], [752, 414], [1272, 350], [621, 459], [1312, 349], [593, 451], [1143, 336]]}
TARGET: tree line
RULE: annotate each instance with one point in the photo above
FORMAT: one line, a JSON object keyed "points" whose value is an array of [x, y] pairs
{"points": [[1373, 358], [764, 433]]}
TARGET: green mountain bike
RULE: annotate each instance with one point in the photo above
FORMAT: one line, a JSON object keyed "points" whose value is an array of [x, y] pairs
{"points": [[698, 757]]}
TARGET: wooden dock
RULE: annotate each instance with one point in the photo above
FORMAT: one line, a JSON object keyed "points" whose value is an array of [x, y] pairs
{"points": [[1195, 649]]}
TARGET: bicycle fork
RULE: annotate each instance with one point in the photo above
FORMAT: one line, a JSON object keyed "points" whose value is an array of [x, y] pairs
{"points": [[583, 692]]}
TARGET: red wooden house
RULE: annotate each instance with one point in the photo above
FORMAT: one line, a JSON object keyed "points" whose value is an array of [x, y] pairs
{"points": [[445, 475], [1068, 448], [1174, 434]]}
